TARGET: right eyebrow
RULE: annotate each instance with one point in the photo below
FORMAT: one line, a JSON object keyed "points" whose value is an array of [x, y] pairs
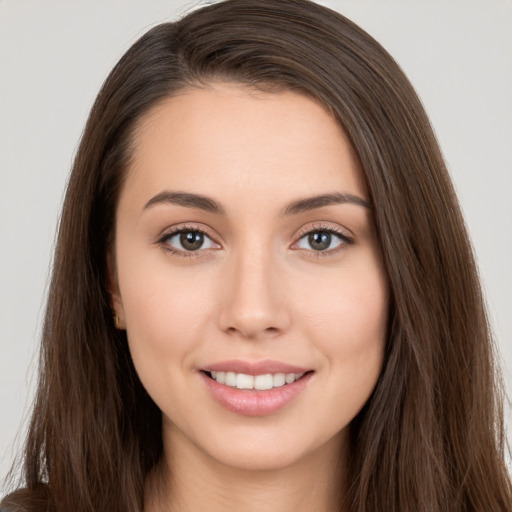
{"points": [[319, 201], [186, 199]]}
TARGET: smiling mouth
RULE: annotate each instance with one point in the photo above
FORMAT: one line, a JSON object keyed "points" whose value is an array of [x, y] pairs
{"points": [[262, 382], [256, 389]]}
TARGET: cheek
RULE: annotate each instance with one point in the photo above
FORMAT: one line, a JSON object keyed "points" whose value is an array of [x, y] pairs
{"points": [[161, 305], [164, 328], [348, 322], [350, 305]]}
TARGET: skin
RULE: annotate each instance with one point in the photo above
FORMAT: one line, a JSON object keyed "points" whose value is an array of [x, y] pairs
{"points": [[256, 291]]}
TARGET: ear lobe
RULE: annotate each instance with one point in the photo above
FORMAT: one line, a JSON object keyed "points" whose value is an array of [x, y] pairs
{"points": [[115, 294]]}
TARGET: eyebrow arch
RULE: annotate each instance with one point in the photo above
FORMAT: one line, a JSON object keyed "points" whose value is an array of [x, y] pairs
{"points": [[310, 203], [186, 199]]}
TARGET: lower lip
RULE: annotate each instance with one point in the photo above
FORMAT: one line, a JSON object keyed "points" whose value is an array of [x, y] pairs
{"points": [[250, 402]]}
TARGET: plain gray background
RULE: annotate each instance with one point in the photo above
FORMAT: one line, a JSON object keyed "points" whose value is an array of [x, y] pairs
{"points": [[54, 56]]}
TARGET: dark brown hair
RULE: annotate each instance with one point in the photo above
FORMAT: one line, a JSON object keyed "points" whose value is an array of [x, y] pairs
{"points": [[430, 439]]}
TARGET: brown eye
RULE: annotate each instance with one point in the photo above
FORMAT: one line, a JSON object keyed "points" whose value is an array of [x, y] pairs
{"points": [[191, 240], [187, 241], [320, 240]]}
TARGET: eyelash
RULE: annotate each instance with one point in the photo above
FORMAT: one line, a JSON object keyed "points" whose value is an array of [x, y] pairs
{"points": [[346, 238], [164, 239]]}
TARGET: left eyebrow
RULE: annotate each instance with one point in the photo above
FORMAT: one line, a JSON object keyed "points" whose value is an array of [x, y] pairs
{"points": [[186, 199], [311, 203]]}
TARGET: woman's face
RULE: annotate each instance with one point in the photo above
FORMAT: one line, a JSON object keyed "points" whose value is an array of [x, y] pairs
{"points": [[249, 276]]}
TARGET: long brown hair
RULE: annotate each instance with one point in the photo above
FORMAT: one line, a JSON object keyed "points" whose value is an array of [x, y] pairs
{"points": [[431, 436]]}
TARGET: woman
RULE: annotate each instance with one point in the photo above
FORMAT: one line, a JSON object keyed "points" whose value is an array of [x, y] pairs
{"points": [[263, 292]]}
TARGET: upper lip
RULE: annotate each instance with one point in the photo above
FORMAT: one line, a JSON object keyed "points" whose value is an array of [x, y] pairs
{"points": [[254, 367]]}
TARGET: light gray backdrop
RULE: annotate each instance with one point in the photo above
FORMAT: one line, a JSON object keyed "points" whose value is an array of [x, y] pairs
{"points": [[54, 55]]}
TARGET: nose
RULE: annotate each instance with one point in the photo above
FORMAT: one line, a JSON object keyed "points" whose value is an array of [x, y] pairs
{"points": [[253, 299]]}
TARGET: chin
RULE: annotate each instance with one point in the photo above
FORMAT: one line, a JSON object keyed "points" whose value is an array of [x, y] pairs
{"points": [[265, 450]]}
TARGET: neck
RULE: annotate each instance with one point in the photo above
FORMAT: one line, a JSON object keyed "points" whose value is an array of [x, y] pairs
{"points": [[188, 480]]}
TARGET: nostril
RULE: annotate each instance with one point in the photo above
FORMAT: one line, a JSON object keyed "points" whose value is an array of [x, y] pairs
{"points": [[248, 333]]}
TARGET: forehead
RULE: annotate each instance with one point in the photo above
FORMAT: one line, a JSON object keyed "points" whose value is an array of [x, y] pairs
{"points": [[226, 137]]}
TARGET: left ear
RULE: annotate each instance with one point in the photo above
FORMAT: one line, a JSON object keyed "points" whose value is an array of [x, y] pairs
{"points": [[115, 294]]}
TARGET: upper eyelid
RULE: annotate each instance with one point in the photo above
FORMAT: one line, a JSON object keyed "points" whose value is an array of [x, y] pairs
{"points": [[324, 226], [180, 228]]}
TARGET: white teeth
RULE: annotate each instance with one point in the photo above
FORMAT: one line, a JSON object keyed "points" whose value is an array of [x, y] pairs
{"points": [[258, 382], [230, 379], [279, 380], [244, 381], [289, 378], [263, 382]]}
